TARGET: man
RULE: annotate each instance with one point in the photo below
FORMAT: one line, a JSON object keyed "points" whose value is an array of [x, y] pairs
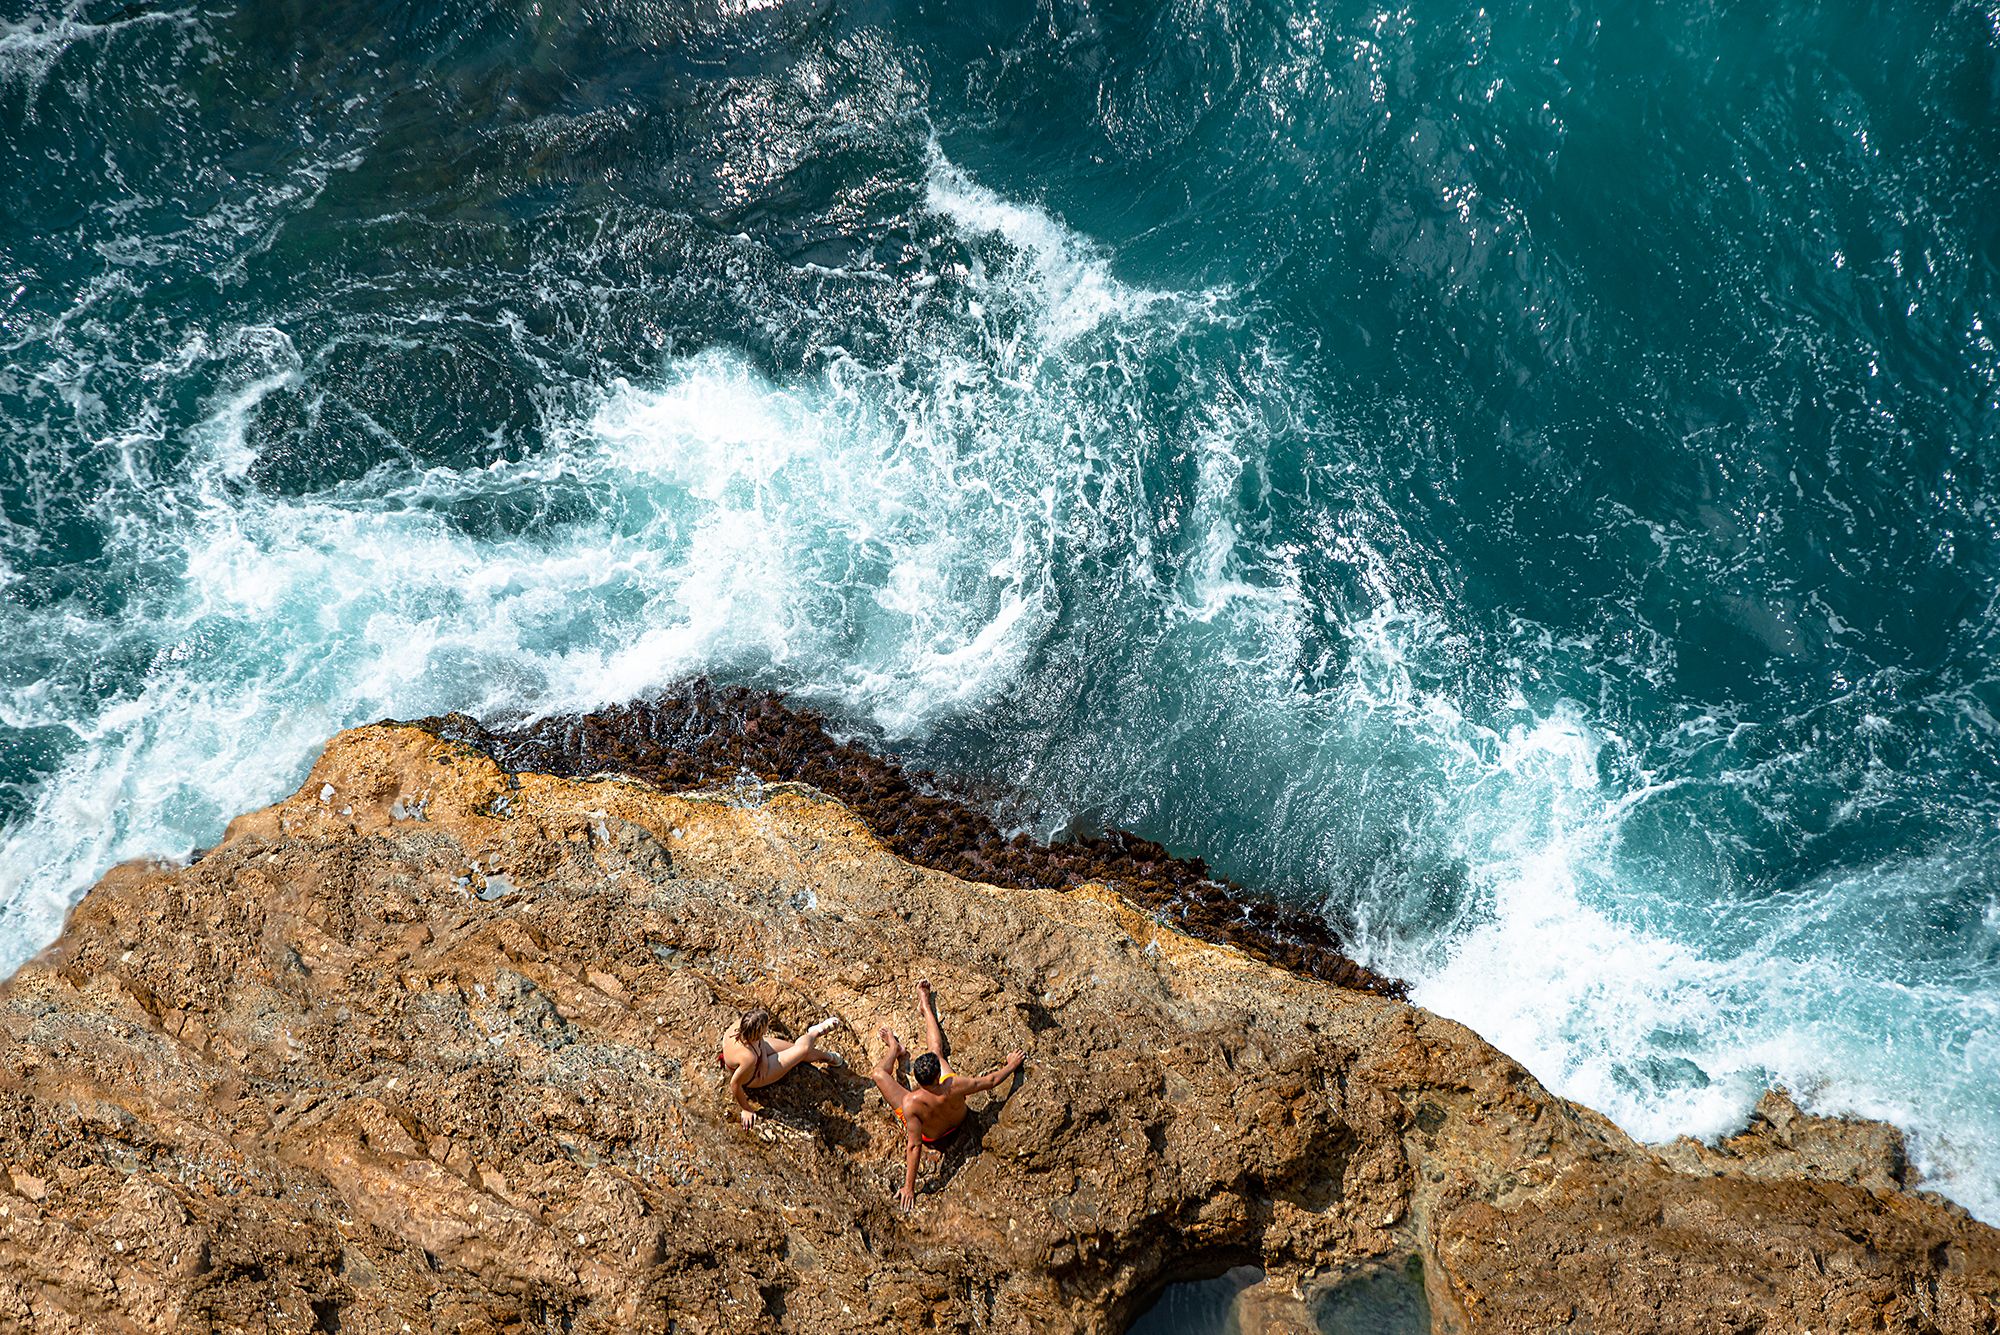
{"points": [[936, 1107]]}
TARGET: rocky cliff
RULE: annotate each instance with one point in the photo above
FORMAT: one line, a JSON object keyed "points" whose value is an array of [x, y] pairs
{"points": [[431, 1046]]}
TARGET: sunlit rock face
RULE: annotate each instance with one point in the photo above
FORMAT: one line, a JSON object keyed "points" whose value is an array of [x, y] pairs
{"points": [[432, 1046]]}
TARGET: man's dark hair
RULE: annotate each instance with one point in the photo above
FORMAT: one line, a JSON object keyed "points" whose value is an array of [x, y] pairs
{"points": [[927, 1069]]}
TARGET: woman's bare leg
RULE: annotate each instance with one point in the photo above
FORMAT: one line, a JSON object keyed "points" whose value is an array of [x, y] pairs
{"points": [[933, 1031], [799, 1052]]}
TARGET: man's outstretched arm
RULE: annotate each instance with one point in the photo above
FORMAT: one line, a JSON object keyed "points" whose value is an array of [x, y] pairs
{"points": [[995, 1078]]}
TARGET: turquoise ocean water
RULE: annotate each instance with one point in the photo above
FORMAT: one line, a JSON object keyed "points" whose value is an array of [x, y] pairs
{"points": [[1521, 479]]}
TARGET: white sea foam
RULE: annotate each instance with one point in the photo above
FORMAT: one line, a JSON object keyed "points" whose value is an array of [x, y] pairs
{"points": [[843, 532], [32, 47], [1067, 275], [1669, 1036]]}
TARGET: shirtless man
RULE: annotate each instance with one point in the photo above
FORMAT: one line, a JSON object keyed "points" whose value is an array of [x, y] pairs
{"points": [[935, 1109]]}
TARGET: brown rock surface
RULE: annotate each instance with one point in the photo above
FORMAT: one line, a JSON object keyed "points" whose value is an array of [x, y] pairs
{"points": [[431, 1047]]}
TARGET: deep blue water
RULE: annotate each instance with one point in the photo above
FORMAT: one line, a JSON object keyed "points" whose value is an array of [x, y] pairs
{"points": [[1520, 479]]}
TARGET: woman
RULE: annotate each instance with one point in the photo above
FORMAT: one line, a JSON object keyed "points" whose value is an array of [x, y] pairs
{"points": [[753, 1062]]}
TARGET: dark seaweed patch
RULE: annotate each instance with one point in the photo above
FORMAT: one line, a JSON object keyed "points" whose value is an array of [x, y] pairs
{"points": [[697, 734]]}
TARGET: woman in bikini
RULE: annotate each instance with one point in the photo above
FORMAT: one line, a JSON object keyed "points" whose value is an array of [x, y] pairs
{"points": [[754, 1061]]}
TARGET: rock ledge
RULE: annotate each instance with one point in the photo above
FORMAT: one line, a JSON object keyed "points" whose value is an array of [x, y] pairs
{"points": [[430, 1046]]}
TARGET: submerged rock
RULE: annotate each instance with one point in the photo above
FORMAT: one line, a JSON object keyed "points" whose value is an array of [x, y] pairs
{"points": [[321, 1080]]}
